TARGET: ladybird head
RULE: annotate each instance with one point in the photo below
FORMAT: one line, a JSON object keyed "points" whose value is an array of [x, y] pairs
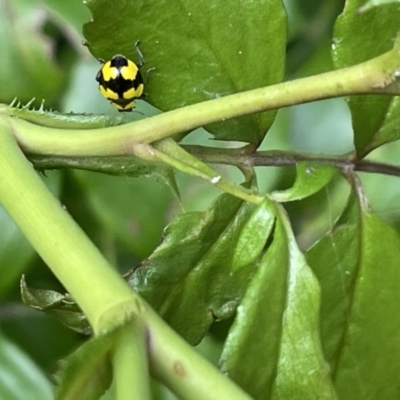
{"points": [[119, 61]]}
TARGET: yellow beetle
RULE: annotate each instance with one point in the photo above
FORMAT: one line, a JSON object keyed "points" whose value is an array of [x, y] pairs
{"points": [[121, 81]]}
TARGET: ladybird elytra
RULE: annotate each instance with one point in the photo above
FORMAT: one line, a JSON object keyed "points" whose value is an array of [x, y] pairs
{"points": [[134, 93], [108, 94], [109, 72], [130, 71]]}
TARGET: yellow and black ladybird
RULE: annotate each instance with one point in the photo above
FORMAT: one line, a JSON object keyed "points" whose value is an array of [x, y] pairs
{"points": [[121, 81]]}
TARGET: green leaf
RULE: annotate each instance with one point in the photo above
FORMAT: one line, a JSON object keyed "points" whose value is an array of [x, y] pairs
{"points": [[390, 129], [20, 378], [197, 51], [69, 13], [86, 374], [309, 180], [252, 236], [357, 266], [357, 38], [196, 275], [27, 68], [273, 348], [58, 305], [375, 3]]}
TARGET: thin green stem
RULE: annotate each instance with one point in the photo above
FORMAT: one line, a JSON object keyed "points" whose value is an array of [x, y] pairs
{"points": [[169, 152], [236, 157], [277, 158], [271, 158], [130, 363], [372, 76]]}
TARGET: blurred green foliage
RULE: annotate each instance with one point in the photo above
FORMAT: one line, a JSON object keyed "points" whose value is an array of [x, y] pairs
{"points": [[43, 58]]}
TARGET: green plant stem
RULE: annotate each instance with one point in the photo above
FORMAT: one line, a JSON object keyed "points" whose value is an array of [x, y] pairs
{"points": [[61, 243], [101, 293], [235, 157], [130, 364], [269, 158], [374, 76], [169, 152], [185, 372], [277, 158]]}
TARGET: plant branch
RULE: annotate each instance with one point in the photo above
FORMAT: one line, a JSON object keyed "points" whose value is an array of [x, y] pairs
{"points": [[130, 363], [61, 243], [374, 76], [245, 157], [240, 158], [102, 294], [377, 168], [169, 152], [183, 370], [277, 158]]}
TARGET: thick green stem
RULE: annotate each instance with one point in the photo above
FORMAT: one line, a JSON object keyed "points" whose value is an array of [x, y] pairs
{"points": [[131, 368], [372, 76], [185, 372], [61, 243], [103, 296]]}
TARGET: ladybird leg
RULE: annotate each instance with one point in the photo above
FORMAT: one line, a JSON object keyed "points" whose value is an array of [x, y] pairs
{"points": [[143, 96], [139, 55], [101, 61], [147, 76], [146, 79]]}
